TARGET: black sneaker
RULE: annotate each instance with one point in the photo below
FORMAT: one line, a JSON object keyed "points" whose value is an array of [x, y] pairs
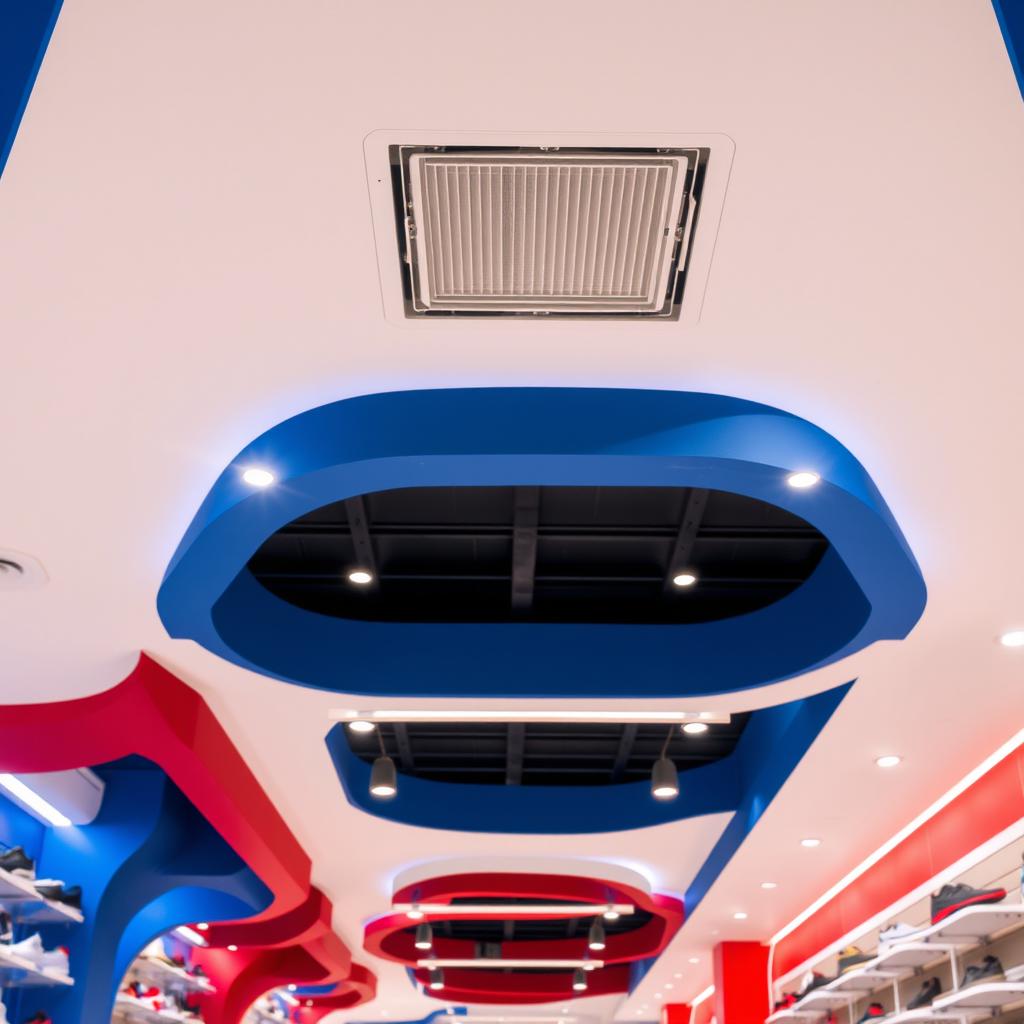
{"points": [[17, 862], [990, 969], [816, 980], [875, 1011], [851, 957], [929, 990], [69, 897], [951, 898]]}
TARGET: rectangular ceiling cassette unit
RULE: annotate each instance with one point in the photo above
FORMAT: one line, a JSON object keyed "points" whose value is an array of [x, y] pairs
{"points": [[545, 231]]}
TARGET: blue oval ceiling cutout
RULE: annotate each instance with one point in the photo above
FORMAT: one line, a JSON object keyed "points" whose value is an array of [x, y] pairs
{"points": [[866, 586]]}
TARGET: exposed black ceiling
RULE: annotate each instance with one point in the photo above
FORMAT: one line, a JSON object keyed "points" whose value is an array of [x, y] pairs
{"points": [[548, 754], [548, 554]]}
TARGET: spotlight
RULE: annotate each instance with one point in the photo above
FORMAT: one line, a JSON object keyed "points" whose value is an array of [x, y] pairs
{"points": [[664, 780], [361, 725], [740, 915], [360, 576], [579, 980], [414, 913], [256, 477], [293, 988], [810, 843], [596, 939], [203, 926], [1014, 638], [888, 760], [232, 949], [424, 936], [611, 914], [696, 728], [436, 978], [769, 885], [684, 579], [803, 479], [383, 778]]}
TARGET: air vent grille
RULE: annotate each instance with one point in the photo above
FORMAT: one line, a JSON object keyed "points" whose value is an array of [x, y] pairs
{"points": [[569, 232]]}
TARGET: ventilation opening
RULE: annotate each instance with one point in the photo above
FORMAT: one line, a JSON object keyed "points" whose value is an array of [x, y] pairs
{"points": [[545, 231]]}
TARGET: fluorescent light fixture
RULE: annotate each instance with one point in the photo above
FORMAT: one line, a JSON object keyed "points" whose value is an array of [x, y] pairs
{"points": [[909, 829], [33, 802], [360, 576], [189, 935], [499, 961], [803, 479], [256, 476], [888, 760], [525, 910], [625, 716], [684, 579], [1013, 638]]}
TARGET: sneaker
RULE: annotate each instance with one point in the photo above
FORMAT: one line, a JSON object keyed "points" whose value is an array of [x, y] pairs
{"points": [[30, 949], [55, 891], [929, 990], [16, 862], [875, 1011], [812, 980], [896, 933], [54, 961], [990, 969], [852, 957], [951, 898], [39, 1018]]}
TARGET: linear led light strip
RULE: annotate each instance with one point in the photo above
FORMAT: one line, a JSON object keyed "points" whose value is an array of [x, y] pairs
{"points": [[497, 961], [190, 935], [32, 800], [460, 715], [974, 857], [515, 909]]}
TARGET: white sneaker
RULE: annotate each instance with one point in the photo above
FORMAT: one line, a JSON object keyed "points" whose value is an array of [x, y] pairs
{"points": [[896, 933], [30, 949], [55, 961]]}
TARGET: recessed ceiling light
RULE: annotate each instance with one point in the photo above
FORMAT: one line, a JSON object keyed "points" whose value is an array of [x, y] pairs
{"points": [[361, 725], [668, 984], [293, 988], [740, 915], [678, 974], [255, 476], [810, 842], [769, 885], [803, 479], [1013, 638], [611, 914], [203, 926], [232, 949], [695, 728], [694, 960], [414, 913], [658, 995], [360, 577], [888, 760], [684, 579]]}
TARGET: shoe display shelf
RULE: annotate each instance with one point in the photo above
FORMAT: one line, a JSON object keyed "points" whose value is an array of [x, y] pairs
{"points": [[26, 906], [17, 972], [127, 1008], [169, 977], [256, 1016], [948, 940]]}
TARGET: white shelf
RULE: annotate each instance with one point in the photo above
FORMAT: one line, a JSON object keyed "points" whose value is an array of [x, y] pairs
{"points": [[986, 996], [17, 972], [925, 1013], [864, 979], [968, 926], [136, 1010], [169, 976], [825, 996], [790, 1013], [913, 954], [28, 907]]}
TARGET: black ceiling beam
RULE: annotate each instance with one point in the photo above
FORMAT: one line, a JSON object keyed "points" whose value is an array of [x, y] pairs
{"points": [[682, 550], [526, 516], [359, 526], [629, 731], [515, 753]]}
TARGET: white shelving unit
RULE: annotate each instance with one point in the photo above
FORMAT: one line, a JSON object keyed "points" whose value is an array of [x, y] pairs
{"points": [[17, 972], [131, 1009], [26, 906], [170, 977], [986, 997]]}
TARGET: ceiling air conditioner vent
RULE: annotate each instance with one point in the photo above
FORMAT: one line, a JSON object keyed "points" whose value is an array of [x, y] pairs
{"points": [[567, 232]]}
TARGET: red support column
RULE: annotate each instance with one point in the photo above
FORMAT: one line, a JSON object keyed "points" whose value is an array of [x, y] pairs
{"points": [[741, 983], [675, 1013]]}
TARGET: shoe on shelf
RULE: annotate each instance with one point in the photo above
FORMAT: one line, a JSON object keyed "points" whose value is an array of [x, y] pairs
{"points": [[895, 933], [990, 969], [16, 862], [196, 970], [927, 993], [39, 1018], [875, 1011], [811, 981], [30, 949], [951, 898], [57, 893], [157, 951], [852, 957], [55, 961]]}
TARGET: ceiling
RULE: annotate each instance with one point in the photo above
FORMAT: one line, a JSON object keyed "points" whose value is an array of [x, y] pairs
{"points": [[187, 257]]}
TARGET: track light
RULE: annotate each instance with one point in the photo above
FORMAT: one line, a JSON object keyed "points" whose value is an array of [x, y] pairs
{"points": [[424, 936], [664, 780], [611, 914], [436, 978], [596, 939], [579, 980], [383, 778]]}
